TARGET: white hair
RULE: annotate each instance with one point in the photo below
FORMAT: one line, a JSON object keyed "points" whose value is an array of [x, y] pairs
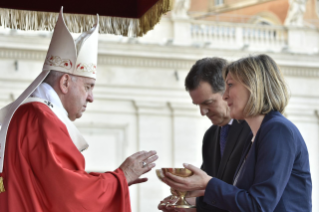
{"points": [[55, 76]]}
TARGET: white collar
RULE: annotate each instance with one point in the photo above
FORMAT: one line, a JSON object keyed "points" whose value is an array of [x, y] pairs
{"points": [[229, 123], [45, 91]]}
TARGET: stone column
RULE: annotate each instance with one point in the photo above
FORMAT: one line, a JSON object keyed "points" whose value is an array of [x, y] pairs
{"points": [[154, 131]]}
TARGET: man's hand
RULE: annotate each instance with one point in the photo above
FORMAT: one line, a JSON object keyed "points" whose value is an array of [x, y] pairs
{"points": [[164, 205], [138, 164], [198, 181]]}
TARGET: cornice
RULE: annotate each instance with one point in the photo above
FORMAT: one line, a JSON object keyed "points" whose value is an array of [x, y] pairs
{"points": [[300, 72], [132, 61], [19, 54], [147, 62]]}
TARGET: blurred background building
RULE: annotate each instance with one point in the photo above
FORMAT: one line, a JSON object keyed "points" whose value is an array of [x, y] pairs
{"points": [[140, 101]]}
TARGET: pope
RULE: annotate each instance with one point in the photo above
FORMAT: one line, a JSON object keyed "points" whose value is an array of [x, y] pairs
{"points": [[43, 168]]}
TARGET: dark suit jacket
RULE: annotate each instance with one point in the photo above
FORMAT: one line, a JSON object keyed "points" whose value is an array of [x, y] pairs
{"points": [[275, 176], [239, 136]]}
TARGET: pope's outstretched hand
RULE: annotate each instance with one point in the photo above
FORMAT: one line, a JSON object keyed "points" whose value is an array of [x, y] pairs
{"points": [[137, 164]]}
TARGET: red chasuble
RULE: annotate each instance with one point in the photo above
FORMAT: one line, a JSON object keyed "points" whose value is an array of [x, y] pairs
{"points": [[44, 171]]}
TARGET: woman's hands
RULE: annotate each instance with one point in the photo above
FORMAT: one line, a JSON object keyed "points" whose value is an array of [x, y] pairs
{"points": [[198, 181]]}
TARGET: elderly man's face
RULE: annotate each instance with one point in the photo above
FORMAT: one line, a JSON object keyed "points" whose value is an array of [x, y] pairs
{"points": [[211, 104], [80, 93]]}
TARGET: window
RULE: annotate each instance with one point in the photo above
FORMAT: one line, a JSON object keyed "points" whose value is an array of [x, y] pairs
{"points": [[219, 2]]}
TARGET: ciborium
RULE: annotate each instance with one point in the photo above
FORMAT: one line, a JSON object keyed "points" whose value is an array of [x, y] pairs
{"points": [[181, 172]]}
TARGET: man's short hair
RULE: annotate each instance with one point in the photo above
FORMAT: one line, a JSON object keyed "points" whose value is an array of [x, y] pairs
{"points": [[207, 70], [262, 77]]}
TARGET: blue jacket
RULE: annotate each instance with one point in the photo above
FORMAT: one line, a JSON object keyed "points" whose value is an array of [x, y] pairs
{"points": [[275, 176]]}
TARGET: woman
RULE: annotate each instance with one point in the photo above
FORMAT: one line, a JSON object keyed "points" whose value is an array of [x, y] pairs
{"points": [[274, 173]]}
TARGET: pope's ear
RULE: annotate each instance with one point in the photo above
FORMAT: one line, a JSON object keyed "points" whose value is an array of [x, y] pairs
{"points": [[64, 83]]}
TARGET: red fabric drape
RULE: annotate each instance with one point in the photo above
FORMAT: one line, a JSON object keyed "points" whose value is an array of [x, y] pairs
{"points": [[44, 171], [117, 8]]}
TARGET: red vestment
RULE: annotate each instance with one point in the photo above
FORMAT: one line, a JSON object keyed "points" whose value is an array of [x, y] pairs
{"points": [[44, 171]]}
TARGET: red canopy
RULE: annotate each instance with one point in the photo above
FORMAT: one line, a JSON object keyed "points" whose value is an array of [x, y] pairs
{"points": [[116, 16]]}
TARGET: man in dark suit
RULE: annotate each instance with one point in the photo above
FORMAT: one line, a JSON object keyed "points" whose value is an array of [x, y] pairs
{"points": [[224, 141]]}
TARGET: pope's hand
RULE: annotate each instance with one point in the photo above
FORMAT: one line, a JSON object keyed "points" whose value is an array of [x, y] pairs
{"points": [[198, 181], [137, 164]]}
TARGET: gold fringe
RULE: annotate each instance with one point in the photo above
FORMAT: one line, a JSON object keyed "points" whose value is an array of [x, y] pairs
{"points": [[153, 15], [33, 20], [1, 185]]}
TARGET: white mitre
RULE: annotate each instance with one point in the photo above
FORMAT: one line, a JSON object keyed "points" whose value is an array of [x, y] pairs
{"points": [[77, 57]]}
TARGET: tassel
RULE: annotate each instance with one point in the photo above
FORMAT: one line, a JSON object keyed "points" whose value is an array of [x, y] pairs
{"points": [[1, 185]]}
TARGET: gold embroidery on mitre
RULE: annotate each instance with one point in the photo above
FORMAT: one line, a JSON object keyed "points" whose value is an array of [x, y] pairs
{"points": [[56, 61], [86, 68], [1, 185]]}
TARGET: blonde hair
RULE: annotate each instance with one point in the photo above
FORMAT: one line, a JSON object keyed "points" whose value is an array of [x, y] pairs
{"points": [[265, 82]]}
